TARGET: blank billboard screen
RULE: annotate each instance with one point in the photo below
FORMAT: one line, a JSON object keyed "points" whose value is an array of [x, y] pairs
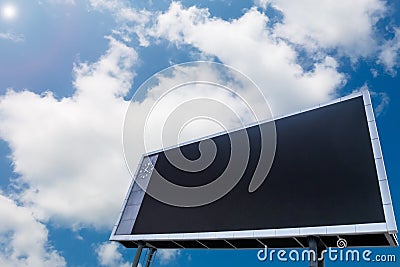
{"points": [[323, 174]]}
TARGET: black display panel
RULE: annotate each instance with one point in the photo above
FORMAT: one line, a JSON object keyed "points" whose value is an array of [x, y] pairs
{"points": [[323, 174]]}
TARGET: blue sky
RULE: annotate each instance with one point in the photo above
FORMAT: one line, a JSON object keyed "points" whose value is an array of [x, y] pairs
{"points": [[69, 67]]}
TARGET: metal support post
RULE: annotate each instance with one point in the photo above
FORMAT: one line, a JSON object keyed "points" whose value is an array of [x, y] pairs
{"points": [[316, 259], [137, 256], [150, 257]]}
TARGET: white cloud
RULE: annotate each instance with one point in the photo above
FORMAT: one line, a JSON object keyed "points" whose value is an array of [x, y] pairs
{"points": [[374, 73], [17, 38], [69, 151], [68, 2], [384, 101], [346, 25], [167, 256], [131, 20], [109, 256], [335, 28], [248, 45], [107, 4], [262, 3], [23, 240], [390, 53]]}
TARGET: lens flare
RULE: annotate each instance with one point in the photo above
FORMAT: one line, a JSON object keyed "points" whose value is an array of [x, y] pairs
{"points": [[9, 12]]}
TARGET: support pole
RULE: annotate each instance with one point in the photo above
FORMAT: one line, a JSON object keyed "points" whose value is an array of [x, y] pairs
{"points": [[137, 256], [150, 257], [314, 245]]}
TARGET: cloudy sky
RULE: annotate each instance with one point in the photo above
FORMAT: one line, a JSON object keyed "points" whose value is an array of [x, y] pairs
{"points": [[68, 69]]}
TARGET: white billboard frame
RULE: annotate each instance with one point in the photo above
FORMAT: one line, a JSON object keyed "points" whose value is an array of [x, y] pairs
{"points": [[387, 228]]}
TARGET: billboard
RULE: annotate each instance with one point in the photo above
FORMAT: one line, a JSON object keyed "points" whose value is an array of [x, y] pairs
{"points": [[327, 179]]}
